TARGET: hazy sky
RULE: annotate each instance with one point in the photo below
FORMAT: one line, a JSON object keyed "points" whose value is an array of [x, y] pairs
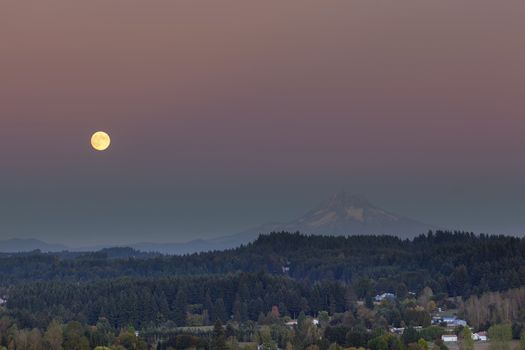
{"points": [[228, 114]]}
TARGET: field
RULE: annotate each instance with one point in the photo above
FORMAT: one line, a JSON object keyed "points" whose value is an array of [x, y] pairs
{"points": [[481, 345]]}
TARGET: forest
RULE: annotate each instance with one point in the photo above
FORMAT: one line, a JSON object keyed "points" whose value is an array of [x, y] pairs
{"points": [[120, 296], [455, 263]]}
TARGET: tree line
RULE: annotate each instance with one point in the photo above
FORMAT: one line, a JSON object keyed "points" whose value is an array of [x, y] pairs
{"points": [[454, 263]]}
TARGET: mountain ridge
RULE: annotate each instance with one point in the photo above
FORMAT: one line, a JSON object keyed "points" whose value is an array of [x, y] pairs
{"points": [[341, 214], [14, 245]]}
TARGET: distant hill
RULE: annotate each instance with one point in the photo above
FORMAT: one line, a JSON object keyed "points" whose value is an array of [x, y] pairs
{"points": [[342, 214], [26, 245], [198, 245], [116, 253]]}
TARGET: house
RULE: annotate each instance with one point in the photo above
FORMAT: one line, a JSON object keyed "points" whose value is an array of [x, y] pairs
{"points": [[291, 323], [3, 301], [480, 336], [459, 322], [396, 330], [451, 321], [385, 296], [263, 347], [436, 320], [449, 338]]}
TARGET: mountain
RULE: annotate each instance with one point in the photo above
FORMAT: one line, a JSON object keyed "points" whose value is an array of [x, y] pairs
{"points": [[16, 245], [345, 214], [342, 214]]}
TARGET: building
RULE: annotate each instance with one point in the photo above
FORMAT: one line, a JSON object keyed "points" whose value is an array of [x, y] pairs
{"points": [[262, 347], [385, 296], [450, 321], [396, 330], [449, 338], [480, 336], [293, 323]]}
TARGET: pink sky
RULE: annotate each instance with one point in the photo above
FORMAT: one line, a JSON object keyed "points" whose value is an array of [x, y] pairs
{"points": [[419, 105]]}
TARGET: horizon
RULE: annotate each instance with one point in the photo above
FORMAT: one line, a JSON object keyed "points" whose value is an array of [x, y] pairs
{"points": [[136, 245], [101, 243], [225, 117]]}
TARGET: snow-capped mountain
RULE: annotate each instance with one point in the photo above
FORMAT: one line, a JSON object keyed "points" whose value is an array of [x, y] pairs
{"points": [[345, 214], [342, 214]]}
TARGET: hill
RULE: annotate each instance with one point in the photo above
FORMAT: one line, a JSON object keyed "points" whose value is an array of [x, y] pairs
{"points": [[26, 245]]}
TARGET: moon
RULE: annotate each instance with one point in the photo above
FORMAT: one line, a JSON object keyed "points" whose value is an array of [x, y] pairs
{"points": [[100, 141]]}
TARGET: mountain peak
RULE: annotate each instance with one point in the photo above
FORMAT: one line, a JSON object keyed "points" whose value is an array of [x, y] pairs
{"points": [[346, 199], [350, 214]]}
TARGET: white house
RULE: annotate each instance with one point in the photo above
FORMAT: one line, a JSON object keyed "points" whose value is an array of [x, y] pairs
{"points": [[449, 338], [293, 323], [396, 330], [262, 347], [2, 301], [480, 336], [385, 296]]}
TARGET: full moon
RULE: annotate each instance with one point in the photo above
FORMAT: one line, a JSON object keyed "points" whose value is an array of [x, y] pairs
{"points": [[100, 141]]}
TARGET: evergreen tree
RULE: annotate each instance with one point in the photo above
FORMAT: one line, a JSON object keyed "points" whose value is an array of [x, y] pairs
{"points": [[218, 341], [74, 337], [522, 341], [220, 310], [179, 308], [500, 336], [410, 335], [465, 340]]}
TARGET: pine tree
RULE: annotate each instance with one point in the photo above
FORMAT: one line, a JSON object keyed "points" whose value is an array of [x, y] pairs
{"points": [[466, 342], [179, 308], [500, 337], [218, 341]]}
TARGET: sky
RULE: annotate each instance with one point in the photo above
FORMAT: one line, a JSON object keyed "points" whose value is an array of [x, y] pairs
{"points": [[226, 115]]}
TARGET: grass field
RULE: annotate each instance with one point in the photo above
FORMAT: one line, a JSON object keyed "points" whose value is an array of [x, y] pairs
{"points": [[481, 345]]}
